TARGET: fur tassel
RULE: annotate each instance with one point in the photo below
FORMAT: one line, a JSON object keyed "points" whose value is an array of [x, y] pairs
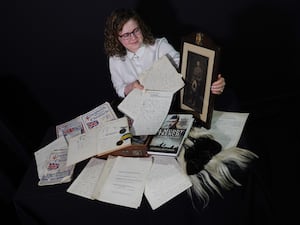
{"points": [[216, 168]]}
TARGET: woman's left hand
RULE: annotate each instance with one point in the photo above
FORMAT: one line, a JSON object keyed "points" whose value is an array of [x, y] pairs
{"points": [[218, 86]]}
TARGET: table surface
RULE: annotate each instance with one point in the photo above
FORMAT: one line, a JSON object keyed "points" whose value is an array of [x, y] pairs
{"points": [[35, 204]]}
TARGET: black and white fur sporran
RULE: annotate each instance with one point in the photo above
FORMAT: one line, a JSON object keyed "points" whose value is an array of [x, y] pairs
{"points": [[207, 164]]}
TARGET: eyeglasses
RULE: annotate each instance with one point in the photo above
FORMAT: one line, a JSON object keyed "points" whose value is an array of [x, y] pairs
{"points": [[127, 36]]}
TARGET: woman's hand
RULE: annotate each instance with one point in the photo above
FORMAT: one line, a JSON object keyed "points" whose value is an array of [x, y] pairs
{"points": [[218, 86], [131, 86]]}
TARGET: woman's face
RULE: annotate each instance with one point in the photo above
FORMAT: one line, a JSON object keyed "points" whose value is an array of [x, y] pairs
{"points": [[131, 36]]}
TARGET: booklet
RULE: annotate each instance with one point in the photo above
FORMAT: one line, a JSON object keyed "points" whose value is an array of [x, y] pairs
{"points": [[87, 121], [51, 163], [109, 137]]}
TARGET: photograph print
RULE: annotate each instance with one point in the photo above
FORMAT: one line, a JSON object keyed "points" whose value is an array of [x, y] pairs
{"points": [[198, 69]]}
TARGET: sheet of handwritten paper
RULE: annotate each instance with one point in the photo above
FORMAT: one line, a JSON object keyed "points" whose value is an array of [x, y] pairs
{"points": [[162, 76], [227, 127], [82, 147], [86, 181], [148, 109], [165, 181]]}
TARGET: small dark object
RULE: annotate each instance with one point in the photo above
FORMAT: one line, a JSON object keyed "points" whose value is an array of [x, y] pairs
{"points": [[199, 154]]}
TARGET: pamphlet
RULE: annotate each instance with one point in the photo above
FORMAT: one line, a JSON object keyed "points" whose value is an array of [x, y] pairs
{"points": [[51, 163]]}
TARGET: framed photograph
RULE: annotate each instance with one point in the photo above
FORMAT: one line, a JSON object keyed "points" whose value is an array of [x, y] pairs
{"points": [[199, 68]]}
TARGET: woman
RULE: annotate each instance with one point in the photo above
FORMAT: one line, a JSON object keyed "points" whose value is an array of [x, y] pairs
{"points": [[132, 49]]}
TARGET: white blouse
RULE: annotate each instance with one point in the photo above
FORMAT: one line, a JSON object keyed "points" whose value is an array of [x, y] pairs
{"points": [[125, 70]]}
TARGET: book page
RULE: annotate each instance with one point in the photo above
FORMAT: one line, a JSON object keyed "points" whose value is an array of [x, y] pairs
{"points": [[148, 109], [113, 135], [86, 122], [126, 181], [162, 76], [82, 147], [109, 163], [165, 181], [70, 128], [97, 116], [108, 137], [86, 181]]}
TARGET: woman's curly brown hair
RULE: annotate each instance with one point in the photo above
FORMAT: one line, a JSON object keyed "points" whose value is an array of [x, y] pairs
{"points": [[113, 27]]}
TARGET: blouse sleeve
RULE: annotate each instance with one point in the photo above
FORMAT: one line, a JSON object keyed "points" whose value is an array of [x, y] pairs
{"points": [[165, 48], [116, 78]]}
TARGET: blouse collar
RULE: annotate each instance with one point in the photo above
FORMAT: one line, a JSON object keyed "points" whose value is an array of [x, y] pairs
{"points": [[137, 54]]}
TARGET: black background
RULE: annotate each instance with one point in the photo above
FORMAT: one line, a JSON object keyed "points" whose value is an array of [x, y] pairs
{"points": [[53, 68]]}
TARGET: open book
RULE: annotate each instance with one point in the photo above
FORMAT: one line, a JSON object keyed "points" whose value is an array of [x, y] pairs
{"points": [[117, 180], [109, 137], [124, 180], [149, 107], [86, 122]]}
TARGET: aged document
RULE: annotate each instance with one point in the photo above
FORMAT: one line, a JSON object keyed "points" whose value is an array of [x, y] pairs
{"points": [[123, 180], [126, 181], [86, 122], [51, 163], [98, 116], [162, 76], [70, 128], [117, 180], [149, 107], [86, 181], [108, 137], [165, 181], [103, 176], [227, 127]]}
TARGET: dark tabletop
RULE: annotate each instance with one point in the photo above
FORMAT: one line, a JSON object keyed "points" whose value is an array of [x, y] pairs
{"points": [[245, 204]]}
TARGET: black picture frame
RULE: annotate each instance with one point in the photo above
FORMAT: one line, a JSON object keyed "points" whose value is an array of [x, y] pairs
{"points": [[199, 68]]}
